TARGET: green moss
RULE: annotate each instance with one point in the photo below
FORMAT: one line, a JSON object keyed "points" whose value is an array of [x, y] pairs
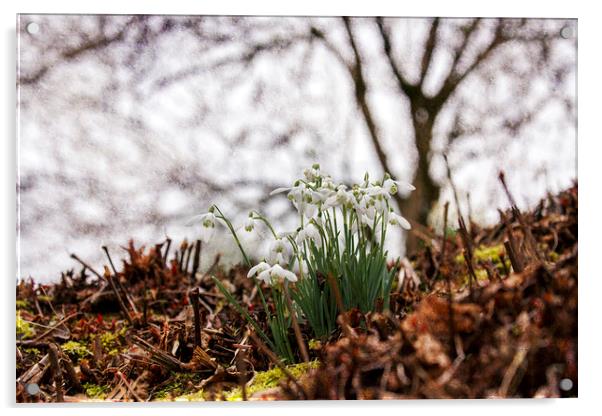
{"points": [[111, 341], [314, 344], [198, 396], [32, 351], [24, 329], [176, 387], [94, 391], [22, 304], [553, 256], [76, 349], [484, 254], [45, 298], [265, 380]]}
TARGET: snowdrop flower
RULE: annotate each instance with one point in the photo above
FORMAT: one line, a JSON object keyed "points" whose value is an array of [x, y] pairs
{"points": [[308, 210], [258, 269], [396, 219], [378, 192], [305, 200], [294, 192], [313, 173], [250, 223], [328, 184], [309, 232], [392, 186], [207, 226], [279, 252], [341, 197], [278, 273]]}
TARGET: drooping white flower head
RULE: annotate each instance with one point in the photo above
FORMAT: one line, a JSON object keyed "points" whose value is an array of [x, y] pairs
{"points": [[309, 232], [378, 192], [393, 187], [278, 273], [279, 252], [313, 173], [207, 226], [258, 268], [338, 198], [294, 192], [249, 223], [396, 219]]}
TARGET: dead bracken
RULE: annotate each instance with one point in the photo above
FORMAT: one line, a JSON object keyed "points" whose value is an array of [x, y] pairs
{"points": [[479, 314]]}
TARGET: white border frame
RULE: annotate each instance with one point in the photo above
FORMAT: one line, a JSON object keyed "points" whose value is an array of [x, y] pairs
{"points": [[589, 94]]}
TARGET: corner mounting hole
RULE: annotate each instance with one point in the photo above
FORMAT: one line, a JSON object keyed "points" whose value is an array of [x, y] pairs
{"points": [[566, 384], [566, 32], [32, 389], [32, 28]]}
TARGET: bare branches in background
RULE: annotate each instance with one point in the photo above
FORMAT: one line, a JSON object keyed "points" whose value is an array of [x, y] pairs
{"points": [[130, 125]]}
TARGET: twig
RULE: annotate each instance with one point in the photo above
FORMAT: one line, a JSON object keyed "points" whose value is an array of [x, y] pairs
{"points": [[241, 366], [106, 250], [514, 259], [83, 263], [118, 283], [339, 301], [509, 376], [196, 261], [530, 240], [277, 362], [128, 386], [124, 308], [194, 299], [56, 371], [188, 256], [511, 247], [452, 329], [453, 186], [71, 374], [166, 251], [54, 327], [36, 372], [467, 254], [297, 330]]}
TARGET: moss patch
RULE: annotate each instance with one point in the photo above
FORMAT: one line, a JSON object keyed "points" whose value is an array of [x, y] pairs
{"points": [[112, 341], [94, 391], [76, 349], [22, 304], [269, 379], [263, 380], [24, 329], [179, 383], [482, 255]]}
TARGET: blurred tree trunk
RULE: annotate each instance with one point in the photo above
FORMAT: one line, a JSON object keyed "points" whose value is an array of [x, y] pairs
{"points": [[418, 206]]}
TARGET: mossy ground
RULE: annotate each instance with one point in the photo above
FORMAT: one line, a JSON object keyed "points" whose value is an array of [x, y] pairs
{"points": [[263, 380]]}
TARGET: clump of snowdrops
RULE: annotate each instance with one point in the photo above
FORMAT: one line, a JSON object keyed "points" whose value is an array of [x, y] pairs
{"points": [[340, 238]]}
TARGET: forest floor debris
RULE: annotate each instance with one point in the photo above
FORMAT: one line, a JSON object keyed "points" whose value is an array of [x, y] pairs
{"points": [[155, 328]]}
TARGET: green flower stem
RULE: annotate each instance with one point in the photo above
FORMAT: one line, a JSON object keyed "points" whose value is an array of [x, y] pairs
{"points": [[231, 228]]}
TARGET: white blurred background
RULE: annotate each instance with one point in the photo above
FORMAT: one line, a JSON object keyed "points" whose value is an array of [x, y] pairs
{"points": [[131, 125]]}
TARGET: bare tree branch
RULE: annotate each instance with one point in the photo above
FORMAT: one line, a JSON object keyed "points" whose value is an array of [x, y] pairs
{"points": [[429, 49], [454, 79], [467, 32], [359, 83], [406, 87], [99, 42], [318, 34]]}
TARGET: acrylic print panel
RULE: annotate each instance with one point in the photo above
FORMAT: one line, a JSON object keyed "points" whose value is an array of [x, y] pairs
{"points": [[279, 208]]}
